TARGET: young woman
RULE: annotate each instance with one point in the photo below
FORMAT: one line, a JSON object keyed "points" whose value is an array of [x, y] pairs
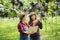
{"points": [[23, 27], [34, 22]]}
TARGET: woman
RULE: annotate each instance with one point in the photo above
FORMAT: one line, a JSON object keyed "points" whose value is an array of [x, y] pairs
{"points": [[34, 22], [23, 27]]}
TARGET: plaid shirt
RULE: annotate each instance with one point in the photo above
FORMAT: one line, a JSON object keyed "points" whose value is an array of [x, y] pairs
{"points": [[23, 28]]}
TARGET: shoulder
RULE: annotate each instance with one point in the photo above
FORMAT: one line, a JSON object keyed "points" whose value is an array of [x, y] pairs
{"points": [[30, 23], [39, 23], [27, 24], [19, 24]]}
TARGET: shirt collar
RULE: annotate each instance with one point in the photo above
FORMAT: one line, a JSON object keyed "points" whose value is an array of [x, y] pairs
{"points": [[22, 22]]}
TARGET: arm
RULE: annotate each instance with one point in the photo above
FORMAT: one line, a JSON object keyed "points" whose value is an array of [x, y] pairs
{"points": [[21, 29], [40, 24], [39, 19], [18, 28]]}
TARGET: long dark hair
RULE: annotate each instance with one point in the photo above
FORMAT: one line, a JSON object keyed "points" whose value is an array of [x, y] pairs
{"points": [[31, 18]]}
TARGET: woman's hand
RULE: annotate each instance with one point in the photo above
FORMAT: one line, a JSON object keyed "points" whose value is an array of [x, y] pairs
{"points": [[31, 32], [38, 19], [34, 22]]}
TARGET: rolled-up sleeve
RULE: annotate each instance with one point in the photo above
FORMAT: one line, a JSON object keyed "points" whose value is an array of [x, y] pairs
{"points": [[40, 24], [20, 28]]}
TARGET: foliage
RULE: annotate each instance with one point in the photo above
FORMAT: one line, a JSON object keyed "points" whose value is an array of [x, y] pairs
{"points": [[27, 5]]}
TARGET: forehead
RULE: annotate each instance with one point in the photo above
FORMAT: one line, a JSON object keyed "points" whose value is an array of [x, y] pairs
{"points": [[32, 15], [32, 12]]}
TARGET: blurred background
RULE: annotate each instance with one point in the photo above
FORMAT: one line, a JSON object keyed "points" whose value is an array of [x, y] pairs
{"points": [[49, 10]]}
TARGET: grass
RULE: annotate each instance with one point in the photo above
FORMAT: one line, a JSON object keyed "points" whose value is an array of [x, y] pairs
{"points": [[9, 31]]}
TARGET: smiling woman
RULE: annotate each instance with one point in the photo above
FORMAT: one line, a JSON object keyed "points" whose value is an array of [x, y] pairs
{"points": [[23, 27]]}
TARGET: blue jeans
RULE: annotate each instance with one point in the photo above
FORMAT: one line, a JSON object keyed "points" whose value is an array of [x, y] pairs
{"points": [[23, 37]]}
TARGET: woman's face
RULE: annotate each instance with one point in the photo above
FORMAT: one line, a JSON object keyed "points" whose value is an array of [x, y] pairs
{"points": [[33, 17], [24, 18]]}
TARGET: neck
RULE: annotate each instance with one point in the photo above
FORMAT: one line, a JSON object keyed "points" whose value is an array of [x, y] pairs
{"points": [[23, 21], [33, 20]]}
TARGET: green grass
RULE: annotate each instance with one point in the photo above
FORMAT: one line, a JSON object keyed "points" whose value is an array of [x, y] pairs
{"points": [[9, 31]]}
